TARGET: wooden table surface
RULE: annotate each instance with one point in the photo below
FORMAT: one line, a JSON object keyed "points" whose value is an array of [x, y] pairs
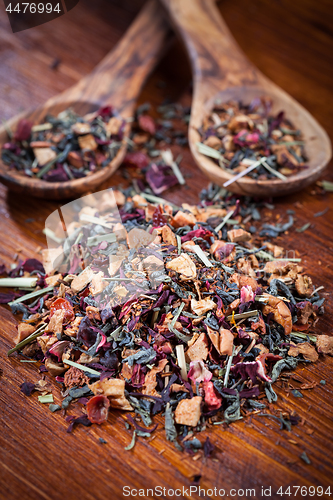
{"points": [[292, 43]]}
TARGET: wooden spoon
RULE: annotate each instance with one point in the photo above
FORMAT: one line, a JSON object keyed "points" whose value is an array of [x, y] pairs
{"points": [[221, 72], [116, 81]]}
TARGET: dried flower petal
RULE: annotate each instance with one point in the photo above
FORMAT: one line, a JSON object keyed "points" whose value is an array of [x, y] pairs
{"points": [[98, 409]]}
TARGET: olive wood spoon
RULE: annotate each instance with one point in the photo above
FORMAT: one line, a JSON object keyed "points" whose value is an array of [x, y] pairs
{"points": [[221, 72], [116, 81]]}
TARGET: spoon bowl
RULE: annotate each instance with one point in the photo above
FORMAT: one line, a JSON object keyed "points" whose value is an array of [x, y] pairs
{"points": [[40, 188], [221, 73], [116, 82]]}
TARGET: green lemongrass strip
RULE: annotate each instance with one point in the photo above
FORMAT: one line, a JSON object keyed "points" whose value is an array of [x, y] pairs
{"points": [[132, 443], [94, 220], [18, 282], [78, 239], [48, 232], [291, 143], [176, 316], [32, 295], [208, 151], [171, 325], [303, 228], [317, 290], [190, 315], [261, 298], [290, 259], [304, 336], [118, 279], [181, 361], [179, 244], [180, 335], [94, 240], [46, 399], [48, 166], [247, 314], [289, 132], [167, 157], [327, 185], [222, 192], [82, 367], [28, 361], [227, 372], [233, 222], [246, 162], [41, 127], [200, 253], [154, 153], [274, 172], [26, 341], [225, 220], [114, 334], [149, 297], [249, 169], [157, 199], [263, 255]]}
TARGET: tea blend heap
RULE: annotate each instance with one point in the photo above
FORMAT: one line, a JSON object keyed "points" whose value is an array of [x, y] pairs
{"points": [[66, 146], [182, 311], [238, 136]]}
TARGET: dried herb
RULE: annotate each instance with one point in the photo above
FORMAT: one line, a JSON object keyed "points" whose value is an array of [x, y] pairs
{"points": [[132, 443], [27, 388], [326, 185], [249, 140], [53, 408], [152, 308], [305, 458], [48, 398], [65, 147], [170, 428]]}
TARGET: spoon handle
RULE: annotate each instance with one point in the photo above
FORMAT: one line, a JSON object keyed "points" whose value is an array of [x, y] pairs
{"points": [[216, 59], [117, 80]]}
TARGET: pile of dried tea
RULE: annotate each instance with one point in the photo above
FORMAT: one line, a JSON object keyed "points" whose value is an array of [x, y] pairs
{"points": [[179, 310], [242, 137], [66, 146]]}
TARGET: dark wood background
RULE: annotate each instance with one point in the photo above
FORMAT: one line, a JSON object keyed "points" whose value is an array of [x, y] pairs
{"points": [[292, 43]]}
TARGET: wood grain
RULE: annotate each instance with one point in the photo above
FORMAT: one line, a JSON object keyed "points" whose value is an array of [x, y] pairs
{"points": [[221, 72], [292, 43], [116, 81]]}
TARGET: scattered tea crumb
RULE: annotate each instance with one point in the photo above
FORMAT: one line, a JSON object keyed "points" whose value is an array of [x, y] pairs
{"points": [[305, 458]]}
